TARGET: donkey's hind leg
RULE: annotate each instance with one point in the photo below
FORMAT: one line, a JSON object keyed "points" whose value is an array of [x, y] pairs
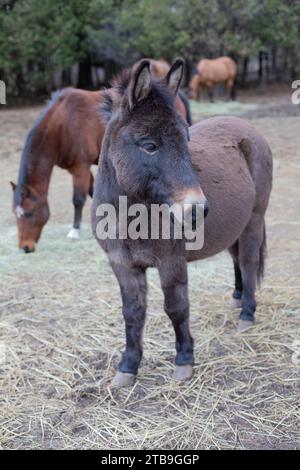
{"points": [[251, 259], [236, 301], [81, 188]]}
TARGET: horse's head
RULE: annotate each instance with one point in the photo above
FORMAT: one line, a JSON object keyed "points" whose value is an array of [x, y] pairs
{"points": [[32, 213], [146, 139]]}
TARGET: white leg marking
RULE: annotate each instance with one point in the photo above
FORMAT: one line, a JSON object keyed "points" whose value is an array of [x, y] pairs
{"points": [[74, 234]]}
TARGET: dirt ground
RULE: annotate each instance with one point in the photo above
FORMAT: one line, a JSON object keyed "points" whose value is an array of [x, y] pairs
{"points": [[61, 330]]}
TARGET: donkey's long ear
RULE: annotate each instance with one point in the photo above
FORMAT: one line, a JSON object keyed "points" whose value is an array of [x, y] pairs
{"points": [[175, 75], [140, 83]]}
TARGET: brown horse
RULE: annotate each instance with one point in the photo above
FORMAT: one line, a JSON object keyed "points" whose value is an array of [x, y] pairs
{"points": [[146, 156], [68, 134], [211, 72]]}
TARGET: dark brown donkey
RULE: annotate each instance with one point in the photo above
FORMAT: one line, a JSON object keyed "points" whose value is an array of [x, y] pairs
{"points": [[68, 134], [146, 156]]}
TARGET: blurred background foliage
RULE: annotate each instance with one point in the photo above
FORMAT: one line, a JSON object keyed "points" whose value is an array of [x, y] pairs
{"points": [[41, 40]]}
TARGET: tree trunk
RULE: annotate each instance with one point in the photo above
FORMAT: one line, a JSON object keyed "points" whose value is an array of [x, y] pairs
{"points": [[245, 70]]}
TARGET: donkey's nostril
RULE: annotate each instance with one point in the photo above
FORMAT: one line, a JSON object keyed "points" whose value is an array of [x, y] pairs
{"points": [[206, 208], [194, 211], [194, 214]]}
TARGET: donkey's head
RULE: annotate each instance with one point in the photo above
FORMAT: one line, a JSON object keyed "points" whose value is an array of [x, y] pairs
{"points": [[32, 213], [146, 140]]}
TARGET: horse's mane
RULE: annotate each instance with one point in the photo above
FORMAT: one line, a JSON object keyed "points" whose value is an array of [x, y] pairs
{"points": [[22, 178], [111, 97]]}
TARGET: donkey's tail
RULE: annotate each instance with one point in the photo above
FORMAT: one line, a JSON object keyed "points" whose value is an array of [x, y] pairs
{"points": [[262, 256], [186, 103]]}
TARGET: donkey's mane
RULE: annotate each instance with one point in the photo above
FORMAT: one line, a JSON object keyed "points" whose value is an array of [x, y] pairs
{"points": [[112, 96], [55, 97], [119, 86]]}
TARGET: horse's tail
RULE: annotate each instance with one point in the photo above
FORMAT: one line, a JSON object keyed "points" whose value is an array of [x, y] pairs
{"points": [[262, 256], [187, 107]]}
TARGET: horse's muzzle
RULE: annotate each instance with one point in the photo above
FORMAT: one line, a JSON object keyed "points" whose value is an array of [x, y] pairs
{"points": [[26, 249]]}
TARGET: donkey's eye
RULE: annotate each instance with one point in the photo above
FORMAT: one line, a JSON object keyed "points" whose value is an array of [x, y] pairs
{"points": [[149, 147], [28, 215]]}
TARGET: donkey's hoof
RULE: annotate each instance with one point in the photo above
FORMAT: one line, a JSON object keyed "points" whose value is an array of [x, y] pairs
{"points": [[235, 303], [74, 234], [182, 373], [121, 379], [244, 325]]}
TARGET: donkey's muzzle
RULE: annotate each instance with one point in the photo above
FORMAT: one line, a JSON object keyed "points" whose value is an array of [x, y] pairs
{"points": [[206, 208]]}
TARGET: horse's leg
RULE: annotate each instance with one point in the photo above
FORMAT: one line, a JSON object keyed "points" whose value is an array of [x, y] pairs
{"points": [[133, 286], [229, 88], [198, 93], [236, 301], [173, 276], [251, 254], [210, 91], [81, 186]]}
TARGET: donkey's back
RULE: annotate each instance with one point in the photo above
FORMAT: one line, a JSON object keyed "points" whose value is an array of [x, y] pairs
{"points": [[234, 164]]}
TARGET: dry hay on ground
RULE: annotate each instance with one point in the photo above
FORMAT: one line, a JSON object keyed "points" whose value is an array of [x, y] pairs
{"points": [[61, 334]]}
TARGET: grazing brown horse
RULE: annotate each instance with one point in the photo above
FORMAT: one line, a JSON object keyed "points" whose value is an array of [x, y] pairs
{"points": [[210, 72], [68, 134], [147, 157]]}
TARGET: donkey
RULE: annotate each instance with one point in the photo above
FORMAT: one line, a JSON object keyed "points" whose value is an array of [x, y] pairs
{"points": [[68, 133], [149, 155]]}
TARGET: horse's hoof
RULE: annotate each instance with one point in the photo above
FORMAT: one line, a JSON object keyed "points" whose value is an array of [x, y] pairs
{"points": [[121, 379], [244, 325], [74, 234], [235, 303], [182, 373]]}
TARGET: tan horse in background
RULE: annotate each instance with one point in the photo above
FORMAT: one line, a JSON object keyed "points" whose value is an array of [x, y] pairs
{"points": [[210, 72]]}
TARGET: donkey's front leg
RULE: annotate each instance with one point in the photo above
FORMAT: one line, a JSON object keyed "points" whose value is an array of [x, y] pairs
{"points": [[173, 276], [133, 287]]}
